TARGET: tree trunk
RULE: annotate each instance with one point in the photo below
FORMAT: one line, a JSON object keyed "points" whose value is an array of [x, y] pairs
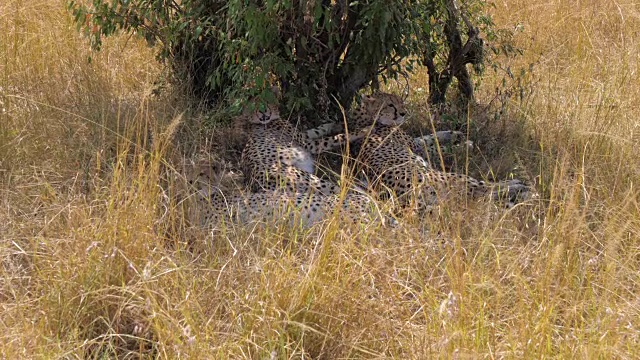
{"points": [[457, 59]]}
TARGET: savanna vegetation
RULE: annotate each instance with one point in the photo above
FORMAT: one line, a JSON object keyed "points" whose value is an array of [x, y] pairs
{"points": [[100, 261]]}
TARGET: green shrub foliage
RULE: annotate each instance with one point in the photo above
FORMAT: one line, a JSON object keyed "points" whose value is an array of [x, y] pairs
{"points": [[317, 50]]}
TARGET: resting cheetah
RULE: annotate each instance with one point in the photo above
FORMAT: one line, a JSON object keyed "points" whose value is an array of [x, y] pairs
{"points": [[389, 158], [217, 201], [277, 156]]}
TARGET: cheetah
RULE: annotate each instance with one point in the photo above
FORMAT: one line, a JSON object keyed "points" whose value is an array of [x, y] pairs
{"points": [[389, 159], [218, 200], [277, 156], [427, 146]]}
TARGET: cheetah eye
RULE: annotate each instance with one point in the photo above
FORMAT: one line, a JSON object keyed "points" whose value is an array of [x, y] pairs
{"points": [[390, 105]]}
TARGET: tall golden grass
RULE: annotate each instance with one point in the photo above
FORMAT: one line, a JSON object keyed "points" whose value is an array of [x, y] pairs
{"points": [[98, 262]]}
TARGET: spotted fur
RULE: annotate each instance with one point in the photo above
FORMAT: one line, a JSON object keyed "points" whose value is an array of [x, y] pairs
{"points": [[277, 156], [427, 146], [389, 158], [217, 203]]}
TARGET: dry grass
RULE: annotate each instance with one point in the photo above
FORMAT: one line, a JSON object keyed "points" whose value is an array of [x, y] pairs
{"points": [[97, 260]]}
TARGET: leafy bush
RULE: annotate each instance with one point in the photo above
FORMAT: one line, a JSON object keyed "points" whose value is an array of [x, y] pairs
{"points": [[316, 50]]}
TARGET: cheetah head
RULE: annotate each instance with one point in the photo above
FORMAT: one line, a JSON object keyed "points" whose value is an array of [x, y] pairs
{"points": [[387, 109], [264, 115], [207, 178]]}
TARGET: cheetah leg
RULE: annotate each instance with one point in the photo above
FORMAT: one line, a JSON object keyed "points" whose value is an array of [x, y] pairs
{"points": [[331, 143], [510, 191], [426, 146], [446, 182], [316, 183], [322, 131]]}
